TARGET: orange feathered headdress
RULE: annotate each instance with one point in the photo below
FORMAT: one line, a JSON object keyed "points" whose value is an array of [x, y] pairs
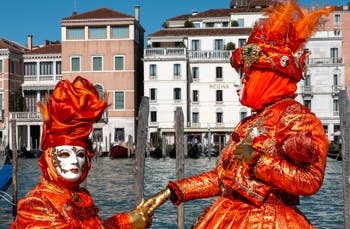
{"points": [[70, 113], [276, 41]]}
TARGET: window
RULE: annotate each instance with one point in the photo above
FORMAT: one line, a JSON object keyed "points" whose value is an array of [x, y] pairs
{"points": [[219, 73], [153, 116], [196, 25], [119, 63], [99, 88], [177, 93], [325, 128], [119, 135], [195, 73], [241, 42], [209, 24], [75, 33], [195, 117], [12, 67], [58, 68], [335, 107], [120, 32], [335, 79], [218, 44], [46, 68], [307, 81], [177, 70], [1, 103], [240, 22], [75, 64], [30, 69], [1, 66], [97, 135], [195, 96], [195, 45], [218, 95], [153, 94], [97, 63], [243, 115], [225, 24], [337, 32], [153, 70], [119, 100], [334, 55], [337, 20], [219, 117], [97, 33], [307, 103]]}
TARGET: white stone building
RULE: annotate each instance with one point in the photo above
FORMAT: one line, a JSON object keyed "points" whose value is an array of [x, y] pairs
{"points": [[187, 64]]}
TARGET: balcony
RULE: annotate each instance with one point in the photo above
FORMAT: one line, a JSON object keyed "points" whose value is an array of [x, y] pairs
{"points": [[209, 55], [306, 91], [165, 53], [26, 116], [219, 55], [325, 61], [41, 78], [336, 89]]}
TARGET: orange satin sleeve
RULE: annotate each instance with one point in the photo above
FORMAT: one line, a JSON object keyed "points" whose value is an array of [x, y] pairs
{"points": [[201, 186], [296, 178]]}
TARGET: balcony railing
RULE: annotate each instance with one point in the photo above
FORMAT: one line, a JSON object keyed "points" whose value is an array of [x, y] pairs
{"points": [[325, 60], [211, 54], [336, 89], [35, 78], [26, 116], [165, 52], [181, 52]]}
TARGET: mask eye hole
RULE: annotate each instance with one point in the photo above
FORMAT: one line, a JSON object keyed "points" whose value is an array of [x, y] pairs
{"points": [[63, 154], [81, 154]]}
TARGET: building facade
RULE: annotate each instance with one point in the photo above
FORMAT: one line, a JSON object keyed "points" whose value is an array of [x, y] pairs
{"points": [[187, 65], [104, 46]]}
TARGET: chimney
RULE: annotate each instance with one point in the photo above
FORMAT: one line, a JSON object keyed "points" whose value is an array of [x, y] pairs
{"points": [[30, 42], [74, 13], [137, 13]]}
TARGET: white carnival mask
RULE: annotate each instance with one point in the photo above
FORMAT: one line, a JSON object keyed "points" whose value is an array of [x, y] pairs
{"points": [[69, 161]]}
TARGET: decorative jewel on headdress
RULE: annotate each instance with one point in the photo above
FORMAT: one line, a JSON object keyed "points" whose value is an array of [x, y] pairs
{"points": [[250, 54], [284, 61]]}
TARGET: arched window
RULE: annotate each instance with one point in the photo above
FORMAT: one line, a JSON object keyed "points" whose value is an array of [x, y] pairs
{"points": [[99, 88]]}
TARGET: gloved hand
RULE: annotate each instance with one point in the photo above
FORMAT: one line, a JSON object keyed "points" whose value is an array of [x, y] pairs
{"points": [[139, 217], [157, 200]]}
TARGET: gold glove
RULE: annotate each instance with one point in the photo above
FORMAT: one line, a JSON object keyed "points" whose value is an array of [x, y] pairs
{"points": [[139, 217], [157, 200]]}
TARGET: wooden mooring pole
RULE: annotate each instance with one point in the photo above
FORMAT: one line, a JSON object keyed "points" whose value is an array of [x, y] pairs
{"points": [[141, 141], [14, 168], [345, 134], [180, 159]]}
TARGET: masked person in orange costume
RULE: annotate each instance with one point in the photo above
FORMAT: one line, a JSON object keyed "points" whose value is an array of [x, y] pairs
{"points": [[58, 201], [276, 154]]}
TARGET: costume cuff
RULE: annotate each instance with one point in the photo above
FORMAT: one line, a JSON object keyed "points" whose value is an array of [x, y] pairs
{"points": [[119, 221]]}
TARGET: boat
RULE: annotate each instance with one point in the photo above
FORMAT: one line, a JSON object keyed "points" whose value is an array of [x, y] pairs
{"points": [[334, 151], [6, 171], [118, 151], [194, 151], [156, 153]]}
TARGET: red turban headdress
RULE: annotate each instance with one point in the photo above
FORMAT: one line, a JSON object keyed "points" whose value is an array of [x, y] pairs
{"points": [[70, 113]]}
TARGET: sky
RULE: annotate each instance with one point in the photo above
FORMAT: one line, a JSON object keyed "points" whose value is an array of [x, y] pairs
{"points": [[42, 18]]}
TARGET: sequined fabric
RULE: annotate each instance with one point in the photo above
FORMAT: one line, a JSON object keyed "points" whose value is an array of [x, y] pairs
{"points": [[50, 206], [262, 192]]}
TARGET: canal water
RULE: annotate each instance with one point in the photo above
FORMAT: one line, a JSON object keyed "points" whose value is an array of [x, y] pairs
{"points": [[111, 183]]}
